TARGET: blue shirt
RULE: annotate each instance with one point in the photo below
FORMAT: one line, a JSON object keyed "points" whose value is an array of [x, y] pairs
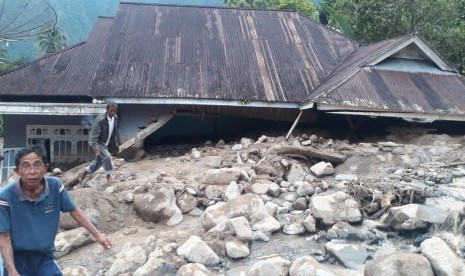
{"points": [[33, 225]]}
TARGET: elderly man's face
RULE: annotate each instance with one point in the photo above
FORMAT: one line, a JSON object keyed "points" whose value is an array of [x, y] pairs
{"points": [[111, 111]]}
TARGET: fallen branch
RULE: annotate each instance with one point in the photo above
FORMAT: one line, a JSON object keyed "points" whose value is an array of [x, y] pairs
{"points": [[312, 153], [298, 156], [453, 164]]}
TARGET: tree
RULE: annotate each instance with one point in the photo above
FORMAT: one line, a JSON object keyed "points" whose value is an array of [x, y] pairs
{"points": [[442, 22], [336, 20], [256, 4], [5, 65], [3, 53], [302, 6], [53, 40]]}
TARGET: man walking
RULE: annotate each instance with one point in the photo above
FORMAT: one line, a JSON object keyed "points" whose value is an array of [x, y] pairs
{"points": [[30, 215], [104, 140]]}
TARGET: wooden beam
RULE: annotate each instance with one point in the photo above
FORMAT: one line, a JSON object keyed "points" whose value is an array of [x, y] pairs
{"points": [[294, 125]]}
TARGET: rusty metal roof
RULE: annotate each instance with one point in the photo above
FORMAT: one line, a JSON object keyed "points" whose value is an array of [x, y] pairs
{"points": [[66, 73], [151, 51], [165, 51], [409, 87]]}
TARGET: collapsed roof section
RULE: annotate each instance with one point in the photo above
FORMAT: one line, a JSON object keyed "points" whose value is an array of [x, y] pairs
{"points": [[401, 77]]}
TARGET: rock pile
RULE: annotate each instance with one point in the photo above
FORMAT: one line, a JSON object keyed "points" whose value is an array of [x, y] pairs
{"points": [[368, 208]]}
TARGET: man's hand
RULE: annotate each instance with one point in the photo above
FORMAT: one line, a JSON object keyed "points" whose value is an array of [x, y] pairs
{"points": [[104, 241], [96, 149], [6, 251]]}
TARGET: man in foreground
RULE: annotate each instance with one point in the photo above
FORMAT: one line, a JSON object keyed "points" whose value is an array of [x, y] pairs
{"points": [[30, 215], [103, 139]]}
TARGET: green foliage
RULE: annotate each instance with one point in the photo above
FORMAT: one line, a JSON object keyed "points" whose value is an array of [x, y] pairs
{"points": [[302, 6], [245, 102], [6, 66], [3, 53], [52, 41], [441, 22], [338, 20], [255, 4]]}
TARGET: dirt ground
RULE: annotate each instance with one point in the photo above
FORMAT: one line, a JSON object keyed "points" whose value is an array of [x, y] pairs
{"points": [[118, 219]]}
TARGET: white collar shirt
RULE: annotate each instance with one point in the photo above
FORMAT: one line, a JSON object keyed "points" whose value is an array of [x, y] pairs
{"points": [[111, 126]]}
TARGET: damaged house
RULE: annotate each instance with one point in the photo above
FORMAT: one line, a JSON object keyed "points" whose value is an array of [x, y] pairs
{"points": [[200, 70]]}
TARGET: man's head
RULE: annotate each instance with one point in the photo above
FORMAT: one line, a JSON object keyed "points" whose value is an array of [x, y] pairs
{"points": [[112, 109], [31, 164]]}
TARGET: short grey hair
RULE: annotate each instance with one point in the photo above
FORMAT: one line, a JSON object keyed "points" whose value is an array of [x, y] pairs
{"points": [[111, 104]]}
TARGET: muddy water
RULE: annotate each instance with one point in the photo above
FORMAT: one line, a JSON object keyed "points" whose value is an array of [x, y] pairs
{"points": [[290, 247]]}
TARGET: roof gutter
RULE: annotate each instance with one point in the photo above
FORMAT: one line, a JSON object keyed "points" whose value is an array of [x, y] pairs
{"points": [[204, 102], [30, 108]]}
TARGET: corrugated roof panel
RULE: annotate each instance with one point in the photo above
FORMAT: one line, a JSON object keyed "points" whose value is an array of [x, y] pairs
{"points": [[162, 51], [400, 92]]}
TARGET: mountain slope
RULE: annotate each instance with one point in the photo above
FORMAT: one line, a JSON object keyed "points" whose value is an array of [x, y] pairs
{"points": [[77, 18]]}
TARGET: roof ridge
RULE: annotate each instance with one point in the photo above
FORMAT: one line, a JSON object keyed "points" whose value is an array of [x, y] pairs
{"points": [[249, 9], [406, 36], [198, 6], [205, 6]]}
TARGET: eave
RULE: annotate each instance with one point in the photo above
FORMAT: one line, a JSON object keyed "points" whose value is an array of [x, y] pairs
{"points": [[408, 116], [25, 108], [204, 102]]}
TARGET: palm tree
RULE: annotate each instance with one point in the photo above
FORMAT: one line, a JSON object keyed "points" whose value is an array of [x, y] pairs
{"points": [[53, 40]]}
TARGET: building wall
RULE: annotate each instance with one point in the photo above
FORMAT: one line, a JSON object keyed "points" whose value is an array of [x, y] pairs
{"points": [[14, 126]]}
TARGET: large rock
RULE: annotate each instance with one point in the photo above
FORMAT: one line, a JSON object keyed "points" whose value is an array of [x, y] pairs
{"points": [[232, 191], [249, 205], [237, 249], [76, 270], [336, 207], [195, 250], [156, 266], [241, 227], [158, 205], [322, 168], [443, 260], [415, 216], [127, 260], [186, 202], [343, 230], [72, 239], [405, 264], [222, 176], [350, 255], [193, 269], [98, 209], [275, 266], [296, 173], [308, 266]]}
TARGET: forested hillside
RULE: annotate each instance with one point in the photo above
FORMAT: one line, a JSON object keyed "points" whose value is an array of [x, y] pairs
{"points": [[77, 18]]}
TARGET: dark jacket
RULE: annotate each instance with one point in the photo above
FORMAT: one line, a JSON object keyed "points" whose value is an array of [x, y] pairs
{"points": [[99, 132]]}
